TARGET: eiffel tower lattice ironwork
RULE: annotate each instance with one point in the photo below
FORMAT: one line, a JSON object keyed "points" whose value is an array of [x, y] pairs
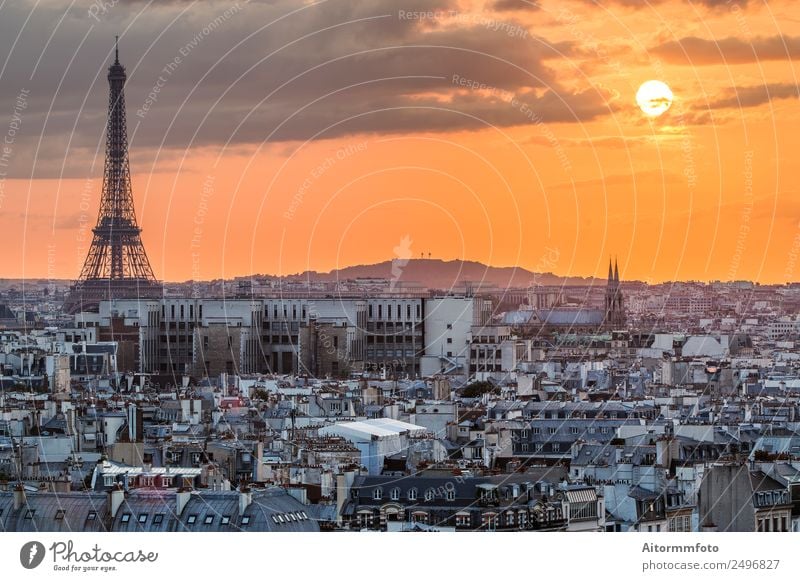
{"points": [[117, 265]]}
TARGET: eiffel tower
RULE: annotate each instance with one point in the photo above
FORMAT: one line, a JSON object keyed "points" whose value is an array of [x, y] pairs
{"points": [[117, 265]]}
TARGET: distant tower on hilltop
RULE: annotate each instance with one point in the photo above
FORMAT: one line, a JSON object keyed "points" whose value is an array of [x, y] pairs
{"points": [[117, 265], [615, 309]]}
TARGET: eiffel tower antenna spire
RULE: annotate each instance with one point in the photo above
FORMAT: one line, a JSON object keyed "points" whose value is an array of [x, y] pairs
{"points": [[117, 265]]}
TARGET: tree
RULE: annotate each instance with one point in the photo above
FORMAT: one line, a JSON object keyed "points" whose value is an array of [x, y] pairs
{"points": [[261, 394], [478, 388]]}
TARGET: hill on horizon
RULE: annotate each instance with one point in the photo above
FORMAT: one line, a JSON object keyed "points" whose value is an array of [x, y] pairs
{"points": [[442, 274]]}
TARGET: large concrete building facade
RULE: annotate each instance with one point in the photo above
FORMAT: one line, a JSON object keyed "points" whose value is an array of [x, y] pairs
{"points": [[320, 336]]}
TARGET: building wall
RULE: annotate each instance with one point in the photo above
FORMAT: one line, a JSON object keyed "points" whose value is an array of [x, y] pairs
{"points": [[179, 336], [725, 499], [324, 350], [448, 321]]}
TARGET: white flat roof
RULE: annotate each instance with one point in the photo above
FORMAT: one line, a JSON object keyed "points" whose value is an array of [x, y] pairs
{"points": [[366, 429]]}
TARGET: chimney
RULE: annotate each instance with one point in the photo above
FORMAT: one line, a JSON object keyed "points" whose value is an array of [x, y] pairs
{"points": [[245, 499], [19, 497], [342, 493], [182, 498], [115, 499]]}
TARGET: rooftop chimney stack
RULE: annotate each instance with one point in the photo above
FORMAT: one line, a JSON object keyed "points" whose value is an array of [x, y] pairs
{"points": [[182, 499], [115, 498], [19, 497], [245, 499]]}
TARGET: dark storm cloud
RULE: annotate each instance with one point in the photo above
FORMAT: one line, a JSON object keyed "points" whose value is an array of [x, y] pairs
{"points": [[212, 73], [507, 5], [699, 51], [741, 97]]}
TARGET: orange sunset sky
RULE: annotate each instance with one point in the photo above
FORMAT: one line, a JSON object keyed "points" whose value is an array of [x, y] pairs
{"points": [[314, 135]]}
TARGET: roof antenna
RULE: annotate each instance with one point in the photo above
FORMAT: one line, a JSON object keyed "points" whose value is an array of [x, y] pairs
{"points": [[116, 49]]}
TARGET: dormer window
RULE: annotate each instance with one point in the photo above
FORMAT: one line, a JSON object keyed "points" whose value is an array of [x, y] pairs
{"points": [[412, 494], [429, 494], [377, 494], [395, 494]]}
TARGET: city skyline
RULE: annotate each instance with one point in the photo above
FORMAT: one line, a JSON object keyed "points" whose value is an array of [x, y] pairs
{"points": [[508, 131]]}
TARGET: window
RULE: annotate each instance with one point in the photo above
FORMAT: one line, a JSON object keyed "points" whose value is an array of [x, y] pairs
{"points": [[377, 494], [30, 513], [192, 519], [429, 494], [126, 517], [245, 520], [412, 494], [59, 514], [395, 494], [291, 517], [158, 519], [280, 519], [226, 519], [143, 518], [304, 515], [209, 519], [451, 495]]}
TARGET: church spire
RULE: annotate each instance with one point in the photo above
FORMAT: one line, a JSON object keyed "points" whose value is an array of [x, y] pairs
{"points": [[616, 270], [610, 274]]}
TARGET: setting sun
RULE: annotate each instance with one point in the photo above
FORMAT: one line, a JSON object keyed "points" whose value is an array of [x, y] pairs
{"points": [[654, 98]]}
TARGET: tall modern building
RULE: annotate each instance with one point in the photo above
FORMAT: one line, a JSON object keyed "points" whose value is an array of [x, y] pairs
{"points": [[117, 265]]}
